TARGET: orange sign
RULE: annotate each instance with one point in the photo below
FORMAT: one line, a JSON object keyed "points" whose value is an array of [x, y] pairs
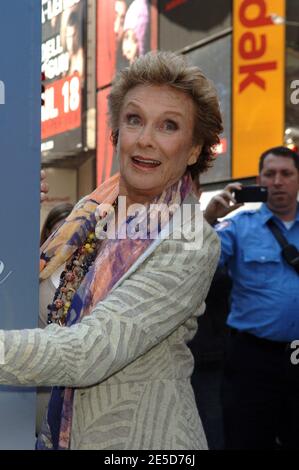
{"points": [[258, 81]]}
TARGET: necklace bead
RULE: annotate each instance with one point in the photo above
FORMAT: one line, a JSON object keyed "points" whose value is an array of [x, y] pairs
{"points": [[71, 277], [70, 280]]}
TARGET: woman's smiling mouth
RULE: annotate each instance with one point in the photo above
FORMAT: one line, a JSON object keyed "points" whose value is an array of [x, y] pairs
{"points": [[148, 163]]}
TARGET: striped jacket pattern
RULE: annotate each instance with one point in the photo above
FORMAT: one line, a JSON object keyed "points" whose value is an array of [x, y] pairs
{"points": [[128, 360]]}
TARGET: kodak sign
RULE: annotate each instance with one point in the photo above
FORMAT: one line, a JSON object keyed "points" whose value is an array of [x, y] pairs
{"points": [[258, 82]]}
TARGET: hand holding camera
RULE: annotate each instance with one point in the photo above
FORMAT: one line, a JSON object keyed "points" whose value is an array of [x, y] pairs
{"points": [[253, 193], [233, 196]]}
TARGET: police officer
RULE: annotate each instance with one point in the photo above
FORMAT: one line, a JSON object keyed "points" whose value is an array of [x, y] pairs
{"points": [[260, 390]]}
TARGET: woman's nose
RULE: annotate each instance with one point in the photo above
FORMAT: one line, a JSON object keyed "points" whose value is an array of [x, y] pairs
{"points": [[145, 136]]}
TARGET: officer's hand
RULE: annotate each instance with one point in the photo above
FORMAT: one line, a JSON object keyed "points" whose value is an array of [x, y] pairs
{"points": [[222, 204], [44, 187]]}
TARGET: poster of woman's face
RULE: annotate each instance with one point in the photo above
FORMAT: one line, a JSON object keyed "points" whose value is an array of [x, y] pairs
{"points": [[126, 29], [132, 30]]}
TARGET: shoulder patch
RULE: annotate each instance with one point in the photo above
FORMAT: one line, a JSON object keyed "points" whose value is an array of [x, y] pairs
{"points": [[222, 225]]}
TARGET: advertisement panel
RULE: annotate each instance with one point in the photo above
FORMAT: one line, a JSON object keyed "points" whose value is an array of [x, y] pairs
{"points": [[20, 39], [105, 153], [258, 81], [292, 75], [213, 60], [185, 22], [125, 30], [63, 66]]}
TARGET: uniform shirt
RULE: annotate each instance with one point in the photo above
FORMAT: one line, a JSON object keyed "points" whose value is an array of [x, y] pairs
{"points": [[265, 294]]}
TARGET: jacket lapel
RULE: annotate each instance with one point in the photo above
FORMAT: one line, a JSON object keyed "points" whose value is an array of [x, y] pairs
{"points": [[180, 218]]}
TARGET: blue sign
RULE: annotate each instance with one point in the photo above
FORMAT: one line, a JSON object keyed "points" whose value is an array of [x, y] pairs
{"points": [[20, 105]]}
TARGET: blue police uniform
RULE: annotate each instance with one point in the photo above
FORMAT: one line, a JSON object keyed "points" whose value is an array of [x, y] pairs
{"points": [[260, 389], [265, 294]]}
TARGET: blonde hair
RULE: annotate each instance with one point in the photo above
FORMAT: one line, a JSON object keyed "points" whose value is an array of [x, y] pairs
{"points": [[167, 68]]}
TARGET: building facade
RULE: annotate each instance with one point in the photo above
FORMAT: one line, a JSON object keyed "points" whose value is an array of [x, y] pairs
{"points": [[248, 48]]}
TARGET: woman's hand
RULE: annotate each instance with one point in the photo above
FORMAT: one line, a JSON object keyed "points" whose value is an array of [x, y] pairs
{"points": [[44, 187], [222, 204]]}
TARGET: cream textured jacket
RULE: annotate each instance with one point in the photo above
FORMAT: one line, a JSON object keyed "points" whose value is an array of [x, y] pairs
{"points": [[128, 360]]}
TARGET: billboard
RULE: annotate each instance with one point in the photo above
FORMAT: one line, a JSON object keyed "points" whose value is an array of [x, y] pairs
{"points": [[292, 74], [213, 60], [63, 66], [20, 39], [185, 22], [258, 82], [126, 29]]}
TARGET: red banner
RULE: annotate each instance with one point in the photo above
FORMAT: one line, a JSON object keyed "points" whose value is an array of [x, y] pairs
{"points": [[62, 109], [125, 30], [104, 145]]}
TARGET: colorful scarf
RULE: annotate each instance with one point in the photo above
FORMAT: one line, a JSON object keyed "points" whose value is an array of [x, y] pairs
{"points": [[114, 259]]}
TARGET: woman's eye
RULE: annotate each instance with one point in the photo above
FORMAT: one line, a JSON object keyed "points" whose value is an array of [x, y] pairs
{"points": [[133, 119], [170, 125]]}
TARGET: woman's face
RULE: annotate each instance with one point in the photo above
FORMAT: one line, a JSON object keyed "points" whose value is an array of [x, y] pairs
{"points": [[120, 8], [130, 45], [155, 142], [70, 38]]}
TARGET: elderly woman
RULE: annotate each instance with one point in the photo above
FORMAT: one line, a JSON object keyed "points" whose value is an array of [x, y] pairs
{"points": [[125, 306]]}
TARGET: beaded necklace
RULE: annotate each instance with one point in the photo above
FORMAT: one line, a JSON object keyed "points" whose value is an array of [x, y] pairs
{"points": [[72, 276]]}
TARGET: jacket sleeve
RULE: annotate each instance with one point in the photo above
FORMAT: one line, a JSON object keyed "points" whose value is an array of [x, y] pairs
{"points": [[141, 312]]}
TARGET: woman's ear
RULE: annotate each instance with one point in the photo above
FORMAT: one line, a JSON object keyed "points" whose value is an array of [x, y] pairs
{"points": [[194, 154], [114, 138]]}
